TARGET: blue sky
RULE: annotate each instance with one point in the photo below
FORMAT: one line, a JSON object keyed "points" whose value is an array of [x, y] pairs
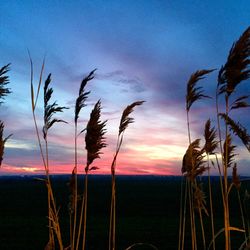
{"points": [[143, 50]]}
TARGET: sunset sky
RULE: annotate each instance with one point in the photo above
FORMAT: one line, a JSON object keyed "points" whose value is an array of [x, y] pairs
{"points": [[143, 50]]}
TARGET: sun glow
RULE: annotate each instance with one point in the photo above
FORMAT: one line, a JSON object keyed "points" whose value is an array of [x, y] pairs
{"points": [[160, 151], [18, 145]]}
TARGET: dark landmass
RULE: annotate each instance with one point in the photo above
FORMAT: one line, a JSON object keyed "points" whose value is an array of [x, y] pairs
{"points": [[147, 211]]}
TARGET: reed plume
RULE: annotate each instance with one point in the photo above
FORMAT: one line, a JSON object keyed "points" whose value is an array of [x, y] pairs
{"points": [[210, 136], [193, 163], [195, 93], [229, 150], [235, 177], [2, 142], [83, 95], [50, 109], [236, 69], [95, 142], [238, 129], [240, 102], [124, 122], [94, 138], [79, 104], [4, 80]]}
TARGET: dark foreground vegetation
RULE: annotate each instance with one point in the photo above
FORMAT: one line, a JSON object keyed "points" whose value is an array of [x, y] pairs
{"points": [[147, 211]]}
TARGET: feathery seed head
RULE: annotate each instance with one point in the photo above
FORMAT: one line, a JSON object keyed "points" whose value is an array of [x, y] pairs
{"points": [[210, 138], [50, 109], [94, 137], [238, 129], [192, 163], [228, 148], [236, 68], [195, 93], [4, 80], [2, 142], [200, 198], [235, 177], [81, 99], [125, 119], [240, 102]]}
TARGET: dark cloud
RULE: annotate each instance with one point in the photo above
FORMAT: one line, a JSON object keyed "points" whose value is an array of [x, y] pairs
{"points": [[126, 82]]}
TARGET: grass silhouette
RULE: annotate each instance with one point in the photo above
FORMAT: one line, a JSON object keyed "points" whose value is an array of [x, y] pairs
{"points": [[4, 91]]}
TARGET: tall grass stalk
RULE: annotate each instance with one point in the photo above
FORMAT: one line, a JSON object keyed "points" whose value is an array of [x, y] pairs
{"points": [[189, 170], [79, 104], [124, 122], [95, 141], [49, 121], [210, 201], [210, 146]]}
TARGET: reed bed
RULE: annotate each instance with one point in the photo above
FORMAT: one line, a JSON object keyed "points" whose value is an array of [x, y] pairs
{"points": [[219, 143]]}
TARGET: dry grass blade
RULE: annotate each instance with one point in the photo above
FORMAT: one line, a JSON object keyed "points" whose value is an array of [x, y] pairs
{"points": [[94, 138], [238, 130], [200, 198], [193, 164], [125, 119], [210, 138], [236, 68], [72, 187], [195, 93], [50, 109], [235, 177], [143, 245], [240, 102], [47, 91], [229, 151], [80, 101], [4, 80], [2, 142]]}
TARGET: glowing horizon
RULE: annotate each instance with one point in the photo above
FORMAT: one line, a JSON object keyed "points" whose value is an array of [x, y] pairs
{"points": [[143, 50]]}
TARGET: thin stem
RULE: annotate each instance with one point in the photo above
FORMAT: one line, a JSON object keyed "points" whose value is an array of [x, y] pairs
{"points": [[184, 214], [112, 222], [75, 193], [242, 215], [181, 215], [188, 125], [192, 218], [210, 201], [85, 210], [202, 230], [114, 217], [51, 236], [218, 122], [227, 223], [52, 204]]}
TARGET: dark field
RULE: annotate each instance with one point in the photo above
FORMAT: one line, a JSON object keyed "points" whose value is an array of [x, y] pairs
{"points": [[147, 211]]}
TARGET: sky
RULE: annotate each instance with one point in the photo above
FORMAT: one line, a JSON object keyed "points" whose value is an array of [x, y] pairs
{"points": [[142, 50]]}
